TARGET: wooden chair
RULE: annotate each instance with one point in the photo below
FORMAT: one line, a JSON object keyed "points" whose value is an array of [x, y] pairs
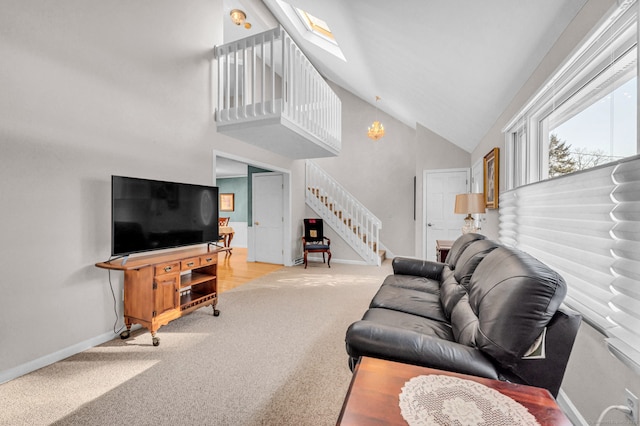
{"points": [[225, 239], [313, 240]]}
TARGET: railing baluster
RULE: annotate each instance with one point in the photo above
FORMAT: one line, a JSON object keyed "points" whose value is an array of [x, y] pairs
{"points": [[253, 76], [228, 88], [235, 96], [244, 81], [262, 89], [221, 81]]}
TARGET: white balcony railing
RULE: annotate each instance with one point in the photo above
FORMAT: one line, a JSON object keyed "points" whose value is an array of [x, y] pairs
{"points": [[266, 79]]}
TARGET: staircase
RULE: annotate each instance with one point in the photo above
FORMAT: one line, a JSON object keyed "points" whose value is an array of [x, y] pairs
{"points": [[343, 213]]}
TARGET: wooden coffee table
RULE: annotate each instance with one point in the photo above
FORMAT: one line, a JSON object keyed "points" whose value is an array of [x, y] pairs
{"points": [[373, 396]]}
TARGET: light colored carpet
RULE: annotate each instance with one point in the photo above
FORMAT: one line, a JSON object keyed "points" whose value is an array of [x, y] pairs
{"points": [[275, 356]]}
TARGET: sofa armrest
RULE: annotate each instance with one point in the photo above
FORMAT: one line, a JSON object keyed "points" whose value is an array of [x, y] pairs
{"points": [[547, 372], [417, 267], [366, 338]]}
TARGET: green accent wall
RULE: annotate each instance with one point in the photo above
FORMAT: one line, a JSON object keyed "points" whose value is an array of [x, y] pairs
{"points": [[238, 187]]}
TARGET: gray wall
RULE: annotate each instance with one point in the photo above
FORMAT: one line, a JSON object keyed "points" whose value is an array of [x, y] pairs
{"points": [[91, 89], [433, 153], [381, 173], [594, 379]]}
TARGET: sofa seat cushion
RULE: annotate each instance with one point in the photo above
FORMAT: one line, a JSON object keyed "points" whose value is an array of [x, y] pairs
{"points": [[413, 282], [406, 321], [414, 302]]}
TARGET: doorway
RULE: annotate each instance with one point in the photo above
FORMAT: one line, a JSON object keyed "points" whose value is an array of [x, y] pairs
{"points": [[250, 168], [439, 221]]}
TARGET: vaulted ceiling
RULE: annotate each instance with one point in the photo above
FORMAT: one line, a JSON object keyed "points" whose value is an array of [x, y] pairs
{"points": [[451, 66]]}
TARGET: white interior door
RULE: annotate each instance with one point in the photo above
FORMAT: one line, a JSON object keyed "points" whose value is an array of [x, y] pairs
{"points": [[268, 217], [440, 190]]}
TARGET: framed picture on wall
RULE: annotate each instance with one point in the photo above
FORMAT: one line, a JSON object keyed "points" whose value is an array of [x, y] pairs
{"points": [[491, 175], [226, 202]]}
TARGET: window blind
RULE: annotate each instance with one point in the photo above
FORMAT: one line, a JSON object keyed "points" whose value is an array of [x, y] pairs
{"points": [[586, 226]]}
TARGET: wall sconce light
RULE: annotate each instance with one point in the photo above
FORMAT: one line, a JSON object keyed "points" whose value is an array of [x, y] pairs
{"points": [[376, 131], [238, 17], [469, 204]]}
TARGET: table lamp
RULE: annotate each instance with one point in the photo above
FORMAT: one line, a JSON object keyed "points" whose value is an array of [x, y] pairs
{"points": [[469, 204]]}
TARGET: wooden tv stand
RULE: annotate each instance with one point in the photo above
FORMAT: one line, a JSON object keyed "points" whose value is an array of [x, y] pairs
{"points": [[159, 288]]}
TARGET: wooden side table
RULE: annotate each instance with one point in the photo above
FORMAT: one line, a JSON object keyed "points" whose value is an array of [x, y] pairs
{"points": [[373, 396], [442, 249]]}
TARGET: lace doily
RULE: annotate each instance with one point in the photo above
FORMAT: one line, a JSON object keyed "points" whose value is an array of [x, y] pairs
{"points": [[446, 400]]}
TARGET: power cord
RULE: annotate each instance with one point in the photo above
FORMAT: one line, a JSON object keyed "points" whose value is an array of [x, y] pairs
{"points": [[115, 308], [622, 408]]}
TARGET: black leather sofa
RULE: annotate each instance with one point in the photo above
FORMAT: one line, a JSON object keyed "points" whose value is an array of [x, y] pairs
{"points": [[489, 311]]}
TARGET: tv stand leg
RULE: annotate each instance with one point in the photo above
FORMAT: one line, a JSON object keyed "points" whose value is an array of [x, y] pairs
{"points": [[125, 334]]}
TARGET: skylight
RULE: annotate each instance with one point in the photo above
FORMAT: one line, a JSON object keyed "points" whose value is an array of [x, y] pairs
{"points": [[311, 28], [316, 25]]}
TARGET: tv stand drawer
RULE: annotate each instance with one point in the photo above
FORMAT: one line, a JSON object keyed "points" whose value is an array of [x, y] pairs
{"points": [[167, 268]]}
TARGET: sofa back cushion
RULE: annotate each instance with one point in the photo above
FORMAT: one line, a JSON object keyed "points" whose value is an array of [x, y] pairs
{"points": [[455, 283], [459, 246], [470, 258], [450, 294], [512, 297]]}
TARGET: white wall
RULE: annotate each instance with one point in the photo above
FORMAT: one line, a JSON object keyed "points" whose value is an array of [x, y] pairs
{"points": [[380, 173], [91, 89], [433, 153], [594, 379]]}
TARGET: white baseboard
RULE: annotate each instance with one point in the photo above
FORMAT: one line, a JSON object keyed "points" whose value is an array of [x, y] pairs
{"points": [[318, 259], [570, 410], [49, 359]]}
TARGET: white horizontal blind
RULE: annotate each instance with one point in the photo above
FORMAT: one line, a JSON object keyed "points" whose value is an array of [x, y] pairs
{"points": [[587, 227], [625, 303]]}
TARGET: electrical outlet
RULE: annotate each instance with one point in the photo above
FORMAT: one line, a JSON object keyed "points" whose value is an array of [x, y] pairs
{"points": [[631, 401]]}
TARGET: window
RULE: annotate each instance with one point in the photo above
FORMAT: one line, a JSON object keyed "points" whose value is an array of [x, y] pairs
{"points": [[573, 175], [310, 27], [316, 25], [586, 115], [597, 125]]}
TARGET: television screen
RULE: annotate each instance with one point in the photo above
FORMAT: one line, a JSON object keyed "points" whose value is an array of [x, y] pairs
{"points": [[152, 215]]}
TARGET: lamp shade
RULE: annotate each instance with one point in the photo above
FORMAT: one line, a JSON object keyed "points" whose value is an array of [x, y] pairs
{"points": [[469, 203]]}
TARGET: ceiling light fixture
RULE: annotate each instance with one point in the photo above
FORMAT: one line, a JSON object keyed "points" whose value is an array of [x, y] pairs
{"points": [[376, 131], [238, 17]]}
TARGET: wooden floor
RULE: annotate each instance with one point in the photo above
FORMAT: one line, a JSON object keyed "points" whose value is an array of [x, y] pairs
{"points": [[234, 270]]}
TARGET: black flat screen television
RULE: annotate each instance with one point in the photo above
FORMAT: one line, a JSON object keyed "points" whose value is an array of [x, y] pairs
{"points": [[151, 215]]}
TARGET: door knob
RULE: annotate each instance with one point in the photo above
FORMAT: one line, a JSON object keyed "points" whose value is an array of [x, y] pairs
{"points": [[256, 223], [429, 224]]}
